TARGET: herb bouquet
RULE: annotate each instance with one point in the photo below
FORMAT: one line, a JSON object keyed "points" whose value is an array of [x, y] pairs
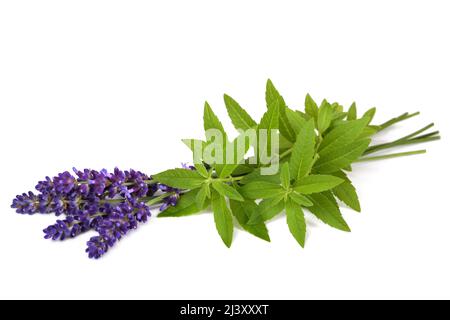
{"points": [[290, 161]]}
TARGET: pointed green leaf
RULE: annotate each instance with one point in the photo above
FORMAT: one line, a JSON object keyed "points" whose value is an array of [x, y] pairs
{"points": [[368, 132], [202, 195], [326, 209], [222, 218], [346, 192], [352, 112], [271, 117], [239, 117], [342, 135], [296, 121], [334, 161], [300, 199], [243, 211], [296, 221], [227, 191], [270, 122], [325, 115], [273, 95], [303, 151], [285, 176], [211, 121], [268, 209], [311, 108], [348, 168], [186, 206], [180, 178], [229, 168], [261, 190], [191, 143], [316, 183], [370, 114], [339, 116], [337, 107], [257, 176], [201, 170]]}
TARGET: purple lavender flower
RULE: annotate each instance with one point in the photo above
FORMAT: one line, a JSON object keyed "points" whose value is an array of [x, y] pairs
{"points": [[110, 204], [113, 227], [170, 201], [26, 203]]}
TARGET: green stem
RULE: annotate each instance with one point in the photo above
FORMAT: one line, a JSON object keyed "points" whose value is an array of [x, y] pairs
{"points": [[409, 136], [286, 153], [398, 141], [401, 143], [395, 120], [431, 134], [229, 179], [156, 200], [392, 155]]}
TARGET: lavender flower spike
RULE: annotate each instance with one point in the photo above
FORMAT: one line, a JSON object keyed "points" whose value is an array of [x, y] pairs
{"points": [[111, 204]]}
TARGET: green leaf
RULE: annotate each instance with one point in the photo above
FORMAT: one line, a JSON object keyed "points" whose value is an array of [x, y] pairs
{"points": [[352, 112], [285, 176], [180, 178], [222, 218], [337, 107], [303, 151], [229, 168], [368, 132], [257, 176], [211, 121], [243, 170], [201, 170], [334, 161], [325, 115], [243, 211], [346, 192], [339, 116], [261, 190], [202, 195], [268, 209], [271, 117], [273, 95], [326, 209], [316, 183], [190, 143], [311, 108], [370, 114], [269, 122], [342, 135], [296, 121], [300, 199], [296, 221], [239, 117], [227, 191], [186, 206]]}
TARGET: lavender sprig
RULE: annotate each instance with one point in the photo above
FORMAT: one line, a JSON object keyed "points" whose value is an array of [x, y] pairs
{"points": [[111, 204]]}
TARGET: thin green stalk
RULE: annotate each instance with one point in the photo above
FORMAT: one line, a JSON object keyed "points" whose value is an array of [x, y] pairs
{"points": [[390, 156], [157, 199], [398, 141], [286, 153], [426, 138], [230, 179], [395, 120], [409, 136], [434, 133]]}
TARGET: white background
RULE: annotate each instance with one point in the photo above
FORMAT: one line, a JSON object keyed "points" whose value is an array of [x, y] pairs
{"points": [[119, 83]]}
